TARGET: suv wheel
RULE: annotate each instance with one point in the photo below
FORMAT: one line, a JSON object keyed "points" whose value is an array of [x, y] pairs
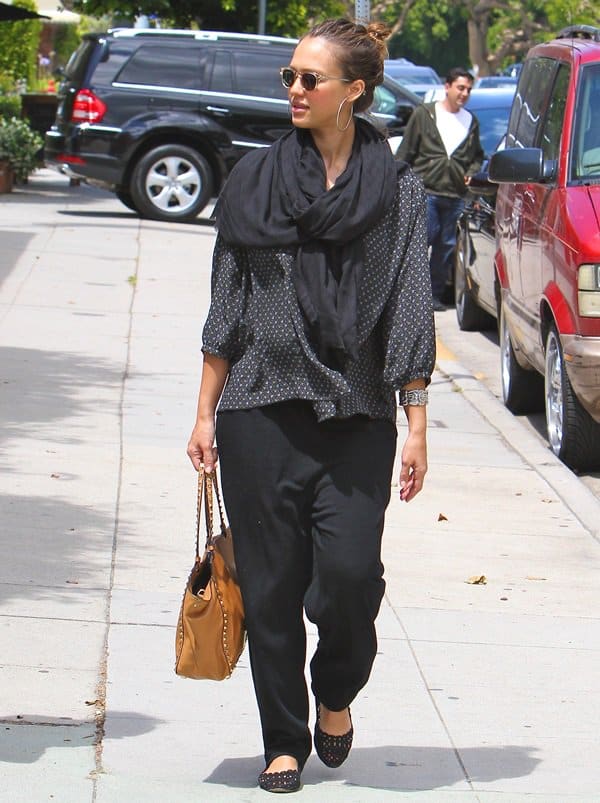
{"points": [[171, 182], [574, 436], [470, 316], [522, 390]]}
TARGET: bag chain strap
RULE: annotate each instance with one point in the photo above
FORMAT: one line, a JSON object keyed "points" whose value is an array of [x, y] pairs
{"points": [[220, 505], [206, 482], [199, 511], [208, 508]]}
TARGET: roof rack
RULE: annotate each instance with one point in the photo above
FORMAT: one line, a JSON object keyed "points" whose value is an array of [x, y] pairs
{"points": [[580, 32], [206, 35]]}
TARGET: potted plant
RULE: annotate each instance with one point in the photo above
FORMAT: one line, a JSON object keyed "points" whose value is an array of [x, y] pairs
{"points": [[19, 147], [7, 175]]}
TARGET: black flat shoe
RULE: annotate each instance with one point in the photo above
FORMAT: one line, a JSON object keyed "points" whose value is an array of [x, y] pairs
{"points": [[332, 750], [285, 781]]}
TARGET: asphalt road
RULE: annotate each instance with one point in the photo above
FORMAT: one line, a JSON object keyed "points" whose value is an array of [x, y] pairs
{"points": [[479, 352]]}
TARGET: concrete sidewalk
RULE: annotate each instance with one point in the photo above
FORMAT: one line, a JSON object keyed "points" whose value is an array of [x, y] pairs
{"points": [[480, 692]]}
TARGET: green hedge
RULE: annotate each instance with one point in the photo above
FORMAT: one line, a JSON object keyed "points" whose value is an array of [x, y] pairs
{"points": [[66, 39], [19, 43], [10, 106]]}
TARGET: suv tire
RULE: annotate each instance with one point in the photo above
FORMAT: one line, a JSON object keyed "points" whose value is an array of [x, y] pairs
{"points": [[171, 182], [522, 390], [125, 197], [470, 316], [573, 434]]}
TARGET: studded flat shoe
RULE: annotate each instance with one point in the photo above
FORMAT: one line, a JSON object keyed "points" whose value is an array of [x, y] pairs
{"points": [[285, 781], [332, 750]]}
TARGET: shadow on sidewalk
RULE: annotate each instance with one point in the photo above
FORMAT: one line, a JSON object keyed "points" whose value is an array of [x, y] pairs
{"points": [[57, 530], [394, 768], [40, 387], [26, 741], [14, 243], [52, 548], [90, 213], [49, 187]]}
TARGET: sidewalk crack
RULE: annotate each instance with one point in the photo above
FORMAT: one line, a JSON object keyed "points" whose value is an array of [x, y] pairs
{"points": [[100, 715], [432, 700]]}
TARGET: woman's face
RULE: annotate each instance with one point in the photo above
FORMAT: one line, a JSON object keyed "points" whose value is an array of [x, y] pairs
{"points": [[318, 108]]}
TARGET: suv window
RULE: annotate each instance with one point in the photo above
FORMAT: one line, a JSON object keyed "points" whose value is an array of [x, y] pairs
{"points": [[110, 62], [553, 126], [169, 66], [586, 144], [530, 101], [222, 79], [76, 66], [258, 74], [254, 74]]}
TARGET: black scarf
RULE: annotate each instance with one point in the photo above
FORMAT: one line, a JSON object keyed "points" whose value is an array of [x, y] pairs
{"points": [[276, 197]]}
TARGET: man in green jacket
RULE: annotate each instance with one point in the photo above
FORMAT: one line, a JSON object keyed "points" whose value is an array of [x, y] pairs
{"points": [[441, 143]]}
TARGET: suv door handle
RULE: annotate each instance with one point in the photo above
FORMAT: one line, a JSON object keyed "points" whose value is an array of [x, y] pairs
{"points": [[218, 110]]}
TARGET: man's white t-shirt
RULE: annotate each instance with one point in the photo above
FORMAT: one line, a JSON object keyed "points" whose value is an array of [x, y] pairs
{"points": [[453, 126]]}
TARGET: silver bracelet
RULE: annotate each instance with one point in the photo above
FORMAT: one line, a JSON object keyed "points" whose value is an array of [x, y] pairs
{"points": [[417, 397]]}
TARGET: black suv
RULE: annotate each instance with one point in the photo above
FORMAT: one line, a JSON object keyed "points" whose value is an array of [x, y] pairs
{"points": [[160, 117]]}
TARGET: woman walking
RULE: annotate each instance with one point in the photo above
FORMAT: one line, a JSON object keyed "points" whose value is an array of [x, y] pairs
{"points": [[321, 311]]}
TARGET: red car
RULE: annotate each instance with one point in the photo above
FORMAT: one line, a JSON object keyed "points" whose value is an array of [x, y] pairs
{"points": [[547, 257]]}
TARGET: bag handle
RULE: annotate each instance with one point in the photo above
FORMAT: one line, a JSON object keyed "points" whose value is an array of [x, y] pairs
{"points": [[219, 504], [206, 482], [201, 492]]}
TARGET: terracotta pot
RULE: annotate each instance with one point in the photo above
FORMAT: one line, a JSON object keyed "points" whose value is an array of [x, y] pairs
{"points": [[7, 177]]}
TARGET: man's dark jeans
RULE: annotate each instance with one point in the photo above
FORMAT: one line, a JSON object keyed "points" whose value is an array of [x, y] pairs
{"points": [[443, 213]]}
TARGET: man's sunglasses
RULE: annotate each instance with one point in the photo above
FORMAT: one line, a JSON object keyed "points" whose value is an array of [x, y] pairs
{"points": [[308, 80]]}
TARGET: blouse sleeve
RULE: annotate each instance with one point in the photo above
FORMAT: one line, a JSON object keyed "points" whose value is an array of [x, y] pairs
{"points": [[221, 335], [407, 321]]}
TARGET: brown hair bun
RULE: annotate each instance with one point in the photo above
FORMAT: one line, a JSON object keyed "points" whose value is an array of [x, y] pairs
{"points": [[380, 33]]}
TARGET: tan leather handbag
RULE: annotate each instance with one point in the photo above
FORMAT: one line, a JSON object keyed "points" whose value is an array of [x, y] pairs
{"points": [[210, 631]]}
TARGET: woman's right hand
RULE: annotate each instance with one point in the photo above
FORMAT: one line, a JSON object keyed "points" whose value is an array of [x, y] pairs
{"points": [[201, 449]]}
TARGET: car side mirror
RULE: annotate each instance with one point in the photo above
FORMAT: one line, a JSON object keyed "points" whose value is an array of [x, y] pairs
{"points": [[480, 183], [521, 165]]}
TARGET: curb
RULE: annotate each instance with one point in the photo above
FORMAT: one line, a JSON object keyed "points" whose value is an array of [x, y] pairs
{"points": [[571, 491]]}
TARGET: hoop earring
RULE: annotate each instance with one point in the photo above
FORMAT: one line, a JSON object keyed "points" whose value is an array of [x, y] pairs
{"points": [[337, 119]]}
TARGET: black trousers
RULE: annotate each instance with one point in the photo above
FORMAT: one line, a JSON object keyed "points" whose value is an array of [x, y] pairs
{"points": [[306, 503]]}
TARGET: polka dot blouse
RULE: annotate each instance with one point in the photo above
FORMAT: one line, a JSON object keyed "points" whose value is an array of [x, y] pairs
{"points": [[255, 322]]}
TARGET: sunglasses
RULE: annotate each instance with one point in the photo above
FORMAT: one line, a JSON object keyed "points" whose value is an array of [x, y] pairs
{"points": [[308, 80]]}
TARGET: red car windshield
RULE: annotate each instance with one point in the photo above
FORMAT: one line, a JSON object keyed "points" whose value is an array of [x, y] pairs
{"points": [[585, 162]]}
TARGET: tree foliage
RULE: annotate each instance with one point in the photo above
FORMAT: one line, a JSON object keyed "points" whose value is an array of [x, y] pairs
{"points": [[284, 17], [486, 33], [432, 33], [502, 31]]}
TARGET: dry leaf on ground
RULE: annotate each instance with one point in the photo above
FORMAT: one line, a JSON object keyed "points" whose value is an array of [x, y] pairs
{"points": [[477, 580]]}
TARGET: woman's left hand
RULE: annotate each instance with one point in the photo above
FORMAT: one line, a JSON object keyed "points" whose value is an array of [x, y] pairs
{"points": [[414, 466]]}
